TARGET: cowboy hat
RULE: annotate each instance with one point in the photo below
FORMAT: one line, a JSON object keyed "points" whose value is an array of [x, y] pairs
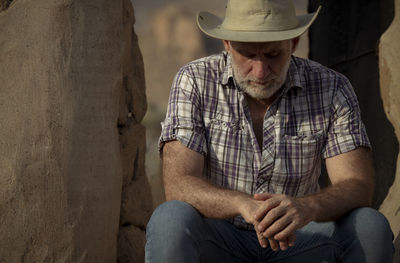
{"points": [[256, 21]]}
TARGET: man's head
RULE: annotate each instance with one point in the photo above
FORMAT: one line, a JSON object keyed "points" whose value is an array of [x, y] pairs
{"points": [[260, 68], [260, 36]]}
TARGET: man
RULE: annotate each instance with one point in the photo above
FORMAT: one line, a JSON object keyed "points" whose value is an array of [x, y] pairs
{"points": [[242, 146]]}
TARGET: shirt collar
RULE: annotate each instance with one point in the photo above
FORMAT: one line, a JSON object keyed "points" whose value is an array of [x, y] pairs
{"points": [[293, 78], [227, 72]]}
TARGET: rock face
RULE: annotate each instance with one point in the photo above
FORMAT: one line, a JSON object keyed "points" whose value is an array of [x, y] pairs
{"points": [[389, 64], [345, 37], [4, 4], [71, 102], [350, 31]]}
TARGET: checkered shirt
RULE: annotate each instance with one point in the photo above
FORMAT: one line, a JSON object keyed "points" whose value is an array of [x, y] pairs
{"points": [[315, 116]]}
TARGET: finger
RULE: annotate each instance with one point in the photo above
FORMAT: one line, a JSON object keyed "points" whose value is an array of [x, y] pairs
{"points": [[265, 208], [283, 244], [273, 244], [262, 240], [291, 240], [263, 196], [271, 216], [286, 232], [279, 227]]}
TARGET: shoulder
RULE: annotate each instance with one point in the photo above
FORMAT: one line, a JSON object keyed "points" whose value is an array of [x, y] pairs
{"points": [[311, 73], [203, 74], [215, 63]]}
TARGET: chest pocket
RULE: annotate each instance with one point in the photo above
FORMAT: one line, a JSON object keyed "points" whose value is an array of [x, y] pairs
{"points": [[223, 136], [227, 143], [296, 161]]}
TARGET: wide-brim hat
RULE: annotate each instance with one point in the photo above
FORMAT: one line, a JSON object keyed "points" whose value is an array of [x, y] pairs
{"points": [[256, 21]]}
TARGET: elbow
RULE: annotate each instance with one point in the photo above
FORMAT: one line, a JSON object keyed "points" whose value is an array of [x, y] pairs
{"points": [[170, 194], [369, 195]]}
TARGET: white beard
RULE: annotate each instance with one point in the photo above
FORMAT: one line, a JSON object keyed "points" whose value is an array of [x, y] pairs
{"points": [[264, 90]]}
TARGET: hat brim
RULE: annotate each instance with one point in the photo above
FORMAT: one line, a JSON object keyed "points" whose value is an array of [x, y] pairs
{"points": [[211, 25]]}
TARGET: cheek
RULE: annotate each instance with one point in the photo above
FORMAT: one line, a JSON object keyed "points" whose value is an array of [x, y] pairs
{"points": [[243, 66], [246, 70], [279, 67]]}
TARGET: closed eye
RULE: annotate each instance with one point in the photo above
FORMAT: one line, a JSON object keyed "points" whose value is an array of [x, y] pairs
{"points": [[272, 54], [247, 54]]}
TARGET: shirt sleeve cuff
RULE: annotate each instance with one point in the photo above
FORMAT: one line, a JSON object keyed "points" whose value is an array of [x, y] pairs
{"points": [[188, 134]]}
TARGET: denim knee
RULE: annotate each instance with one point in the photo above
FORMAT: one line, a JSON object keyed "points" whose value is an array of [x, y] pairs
{"points": [[172, 233], [372, 223], [370, 227], [172, 216]]}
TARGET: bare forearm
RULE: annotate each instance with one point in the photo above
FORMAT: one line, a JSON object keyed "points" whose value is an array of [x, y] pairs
{"points": [[210, 200], [182, 173], [334, 201]]}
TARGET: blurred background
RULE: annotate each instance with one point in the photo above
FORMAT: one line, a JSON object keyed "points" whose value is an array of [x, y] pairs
{"points": [[169, 38]]}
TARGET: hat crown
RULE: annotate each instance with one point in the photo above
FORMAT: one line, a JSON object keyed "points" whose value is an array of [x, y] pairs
{"points": [[260, 15]]}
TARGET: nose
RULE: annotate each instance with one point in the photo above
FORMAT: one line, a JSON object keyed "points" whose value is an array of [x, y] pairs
{"points": [[260, 69]]}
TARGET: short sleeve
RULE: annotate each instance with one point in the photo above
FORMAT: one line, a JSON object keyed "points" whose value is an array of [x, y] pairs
{"points": [[346, 131], [184, 121]]}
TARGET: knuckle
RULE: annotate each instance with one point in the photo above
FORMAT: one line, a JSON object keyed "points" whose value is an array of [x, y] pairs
{"points": [[274, 213]]}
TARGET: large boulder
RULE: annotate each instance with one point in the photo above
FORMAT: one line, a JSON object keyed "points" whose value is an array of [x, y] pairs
{"points": [[389, 64], [71, 102], [345, 37]]}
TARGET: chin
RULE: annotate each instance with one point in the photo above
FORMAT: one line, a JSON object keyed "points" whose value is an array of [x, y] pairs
{"points": [[261, 92]]}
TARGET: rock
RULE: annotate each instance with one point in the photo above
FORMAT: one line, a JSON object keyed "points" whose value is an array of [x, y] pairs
{"points": [[71, 101], [389, 62], [350, 31], [131, 241], [136, 198]]}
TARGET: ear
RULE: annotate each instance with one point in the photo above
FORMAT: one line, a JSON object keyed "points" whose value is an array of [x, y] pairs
{"points": [[295, 43], [227, 45]]}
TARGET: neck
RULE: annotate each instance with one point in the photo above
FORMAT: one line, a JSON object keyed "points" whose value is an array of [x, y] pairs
{"points": [[262, 103]]}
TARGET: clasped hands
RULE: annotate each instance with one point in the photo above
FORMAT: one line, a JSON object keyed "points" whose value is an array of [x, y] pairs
{"points": [[276, 218]]}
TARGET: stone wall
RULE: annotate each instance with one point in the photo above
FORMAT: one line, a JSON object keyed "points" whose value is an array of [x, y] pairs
{"points": [[71, 102], [389, 64]]}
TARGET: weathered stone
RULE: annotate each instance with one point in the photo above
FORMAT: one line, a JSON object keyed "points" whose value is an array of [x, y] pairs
{"points": [[66, 83], [389, 61], [131, 241], [4, 4], [134, 104], [136, 201], [350, 31], [345, 38]]}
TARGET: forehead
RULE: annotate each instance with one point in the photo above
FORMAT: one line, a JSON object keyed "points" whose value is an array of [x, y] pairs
{"points": [[257, 47]]}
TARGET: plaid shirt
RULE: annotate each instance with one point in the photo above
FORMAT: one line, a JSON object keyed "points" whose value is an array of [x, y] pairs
{"points": [[315, 116]]}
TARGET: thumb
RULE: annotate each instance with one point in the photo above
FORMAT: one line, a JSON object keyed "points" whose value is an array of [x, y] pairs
{"points": [[263, 196]]}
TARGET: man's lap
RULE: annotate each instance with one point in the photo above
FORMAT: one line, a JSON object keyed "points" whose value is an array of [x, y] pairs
{"points": [[178, 232]]}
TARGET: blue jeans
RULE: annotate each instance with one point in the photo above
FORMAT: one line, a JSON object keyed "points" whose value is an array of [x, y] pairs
{"points": [[177, 233]]}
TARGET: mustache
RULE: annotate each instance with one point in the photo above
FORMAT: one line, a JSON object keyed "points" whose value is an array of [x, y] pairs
{"points": [[266, 79], [260, 81]]}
